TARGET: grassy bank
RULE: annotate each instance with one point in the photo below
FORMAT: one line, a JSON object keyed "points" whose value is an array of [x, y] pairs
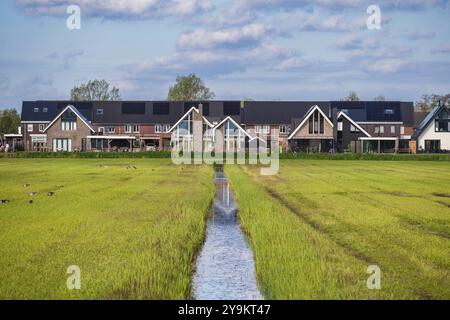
{"points": [[132, 226], [317, 226]]}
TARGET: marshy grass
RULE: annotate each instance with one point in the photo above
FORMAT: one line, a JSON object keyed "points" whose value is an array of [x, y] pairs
{"points": [[317, 226], [133, 227]]}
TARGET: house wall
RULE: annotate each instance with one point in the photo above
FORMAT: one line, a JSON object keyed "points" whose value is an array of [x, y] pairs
{"points": [[303, 133], [55, 132], [346, 136], [370, 128], [27, 135], [430, 134]]}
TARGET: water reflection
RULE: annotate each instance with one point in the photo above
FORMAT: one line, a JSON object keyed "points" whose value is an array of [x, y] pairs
{"points": [[225, 268]]}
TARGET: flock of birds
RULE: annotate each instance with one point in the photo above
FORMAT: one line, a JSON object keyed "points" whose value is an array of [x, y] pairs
{"points": [[51, 193]]}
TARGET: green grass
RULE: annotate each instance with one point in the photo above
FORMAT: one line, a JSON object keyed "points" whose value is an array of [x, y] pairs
{"points": [[133, 232], [318, 225]]}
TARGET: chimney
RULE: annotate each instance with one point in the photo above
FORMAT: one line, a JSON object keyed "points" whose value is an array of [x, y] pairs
{"points": [[200, 109]]}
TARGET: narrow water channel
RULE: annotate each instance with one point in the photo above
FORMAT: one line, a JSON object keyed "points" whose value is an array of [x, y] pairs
{"points": [[225, 268]]}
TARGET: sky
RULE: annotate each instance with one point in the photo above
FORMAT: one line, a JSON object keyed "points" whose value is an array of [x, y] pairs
{"points": [[259, 49]]}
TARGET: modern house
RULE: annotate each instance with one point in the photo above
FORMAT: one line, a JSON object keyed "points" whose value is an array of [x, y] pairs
{"points": [[306, 126], [433, 134]]}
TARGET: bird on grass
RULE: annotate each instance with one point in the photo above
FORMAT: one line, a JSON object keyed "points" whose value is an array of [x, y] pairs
{"points": [[32, 194], [4, 201], [26, 185], [50, 194]]}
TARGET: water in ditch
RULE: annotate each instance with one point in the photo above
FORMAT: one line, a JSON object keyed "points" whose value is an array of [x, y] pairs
{"points": [[225, 268]]}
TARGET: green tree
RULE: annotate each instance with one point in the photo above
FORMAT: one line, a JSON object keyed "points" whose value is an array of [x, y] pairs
{"points": [[352, 96], [9, 121], [95, 90], [380, 98], [429, 101], [189, 88]]}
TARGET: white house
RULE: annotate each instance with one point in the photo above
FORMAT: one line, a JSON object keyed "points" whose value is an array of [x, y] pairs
{"points": [[433, 134]]}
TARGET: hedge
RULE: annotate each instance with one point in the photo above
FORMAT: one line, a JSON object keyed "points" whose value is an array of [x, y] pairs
{"points": [[287, 156]]}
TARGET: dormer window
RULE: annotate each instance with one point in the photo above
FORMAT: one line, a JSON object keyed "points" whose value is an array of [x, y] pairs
{"points": [[36, 110], [99, 112], [389, 112], [45, 109]]}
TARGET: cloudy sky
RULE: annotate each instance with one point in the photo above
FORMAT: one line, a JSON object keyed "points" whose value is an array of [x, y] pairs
{"points": [[260, 49]]}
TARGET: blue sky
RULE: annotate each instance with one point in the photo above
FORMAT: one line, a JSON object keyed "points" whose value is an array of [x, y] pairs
{"points": [[260, 49]]}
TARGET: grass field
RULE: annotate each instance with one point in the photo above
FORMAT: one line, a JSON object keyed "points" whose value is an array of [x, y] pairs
{"points": [[133, 232], [318, 225]]}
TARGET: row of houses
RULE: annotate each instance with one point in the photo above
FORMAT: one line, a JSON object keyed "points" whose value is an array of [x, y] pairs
{"points": [[304, 126]]}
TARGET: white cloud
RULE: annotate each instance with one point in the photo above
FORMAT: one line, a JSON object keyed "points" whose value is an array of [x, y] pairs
{"points": [[137, 9], [386, 66], [442, 49], [205, 39]]}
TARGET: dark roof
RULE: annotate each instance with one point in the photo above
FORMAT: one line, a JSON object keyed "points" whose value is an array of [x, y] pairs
{"points": [[419, 116], [377, 111], [280, 112], [254, 112]]}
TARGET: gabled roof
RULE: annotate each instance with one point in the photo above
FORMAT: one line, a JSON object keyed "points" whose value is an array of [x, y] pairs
{"points": [[235, 123], [185, 115], [306, 117], [77, 113], [343, 114], [436, 110]]}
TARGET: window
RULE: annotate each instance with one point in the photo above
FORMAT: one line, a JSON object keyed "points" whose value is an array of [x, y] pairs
{"points": [[161, 128], [111, 129], [432, 145], [45, 109], [62, 145], [99, 112], [353, 128], [30, 128], [285, 128], [316, 123], [402, 130], [68, 125], [393, 129], [340, 126], [377, 130], [389, 112], [136, 128], [128, 128], [442, 123], [35, 110], [262, 129], [381, 129], [101, 130], [41, 127]]}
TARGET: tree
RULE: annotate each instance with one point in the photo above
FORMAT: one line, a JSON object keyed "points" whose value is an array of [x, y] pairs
{"points": [[380, 98], [9, 121], [352, 96], [95, 90], [429, 101], [189, 88]]}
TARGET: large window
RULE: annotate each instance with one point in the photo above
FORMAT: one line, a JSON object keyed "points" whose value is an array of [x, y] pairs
{"points": [[442, 122], [316, 123], [60, 145], [68, 125], [353, 129], [432, 145]]}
